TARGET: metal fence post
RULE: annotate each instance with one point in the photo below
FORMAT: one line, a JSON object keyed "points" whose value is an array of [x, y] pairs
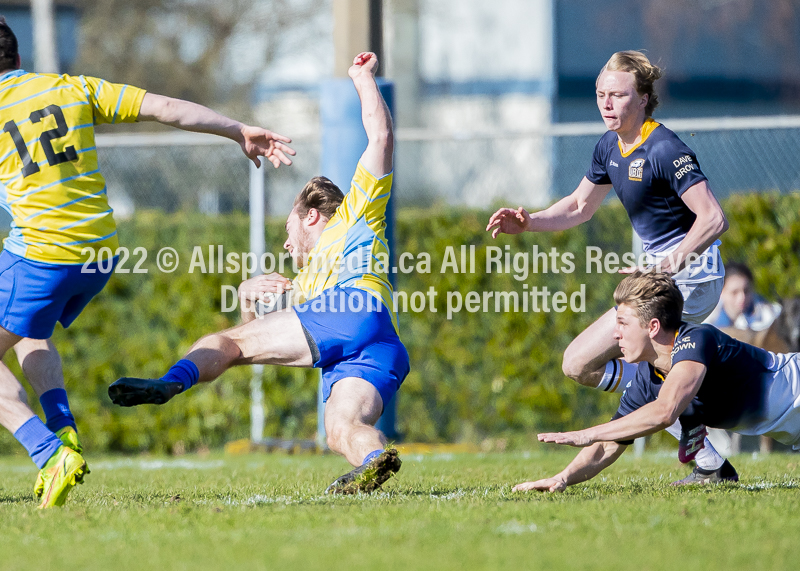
{"points": [[258, 247]]}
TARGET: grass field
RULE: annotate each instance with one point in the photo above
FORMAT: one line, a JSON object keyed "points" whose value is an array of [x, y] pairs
{"points": [[443, 511]]}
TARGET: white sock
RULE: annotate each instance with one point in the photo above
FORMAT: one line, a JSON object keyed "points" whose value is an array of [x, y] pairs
{"points": [[708, 458], [617, 375]]}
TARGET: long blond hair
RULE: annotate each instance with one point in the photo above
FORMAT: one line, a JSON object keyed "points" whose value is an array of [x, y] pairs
{"points": [[645, 74]]}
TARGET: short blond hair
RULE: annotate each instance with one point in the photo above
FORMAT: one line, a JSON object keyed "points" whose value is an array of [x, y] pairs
{"points": [[652, 295], [321, 194], [645, 74]]}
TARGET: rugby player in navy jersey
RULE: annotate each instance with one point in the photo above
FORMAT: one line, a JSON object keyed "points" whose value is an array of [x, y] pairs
{"points": [[687, 372], [671, 207]]}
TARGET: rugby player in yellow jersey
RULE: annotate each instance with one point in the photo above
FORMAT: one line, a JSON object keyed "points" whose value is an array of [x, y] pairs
{"points": [[51, 185], [345, 324]]}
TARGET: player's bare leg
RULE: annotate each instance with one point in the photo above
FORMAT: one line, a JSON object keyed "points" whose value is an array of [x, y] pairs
{"points": [[350, 416], [41, 364], [351, 412], [275, 339], [14, 409], [586, 357], [61, 467]]}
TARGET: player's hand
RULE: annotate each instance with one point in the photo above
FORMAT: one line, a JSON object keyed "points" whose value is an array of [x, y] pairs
{"points": [[260, 142], [365, 63], [258, 287], [509, 221], [546, 485], [578, 438]]}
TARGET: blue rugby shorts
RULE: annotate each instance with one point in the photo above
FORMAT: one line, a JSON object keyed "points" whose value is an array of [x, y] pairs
{"points": [[354, 334], [35, 295]]}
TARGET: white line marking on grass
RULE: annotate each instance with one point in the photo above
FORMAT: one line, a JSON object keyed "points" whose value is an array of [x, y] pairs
{"points": [[182, 464], [514, 527], [764, 485], [449, 496]]}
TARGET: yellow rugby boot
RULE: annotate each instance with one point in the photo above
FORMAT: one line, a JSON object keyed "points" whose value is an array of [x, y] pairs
{"points": [[64, 469], [69, 437]]}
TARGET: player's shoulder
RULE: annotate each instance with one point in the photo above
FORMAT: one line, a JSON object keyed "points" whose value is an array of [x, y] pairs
{"points": [[364, 177], [662, 141], [696, 331], [693, 341]]}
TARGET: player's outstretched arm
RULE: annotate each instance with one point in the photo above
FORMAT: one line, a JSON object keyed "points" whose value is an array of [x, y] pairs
{"points": [[679, 388], [570, 211], [377, 159], [586, 465], [254, 141]]}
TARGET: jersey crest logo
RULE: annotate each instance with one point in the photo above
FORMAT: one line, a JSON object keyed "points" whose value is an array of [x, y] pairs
{"points": [[635, 170]]}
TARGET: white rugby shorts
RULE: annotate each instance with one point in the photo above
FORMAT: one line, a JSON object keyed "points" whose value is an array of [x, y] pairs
{"points": [[781, 419]]}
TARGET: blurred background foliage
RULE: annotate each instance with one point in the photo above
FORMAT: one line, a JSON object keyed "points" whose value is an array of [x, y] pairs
{"points": [[478, 376]]}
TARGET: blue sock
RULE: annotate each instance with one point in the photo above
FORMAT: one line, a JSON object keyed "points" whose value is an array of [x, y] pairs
{"points": [[184, 371], [372, 455], [38, 440], [56, 409]]}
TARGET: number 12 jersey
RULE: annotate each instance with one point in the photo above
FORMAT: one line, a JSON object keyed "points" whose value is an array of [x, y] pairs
{"points": [[50, 181]]}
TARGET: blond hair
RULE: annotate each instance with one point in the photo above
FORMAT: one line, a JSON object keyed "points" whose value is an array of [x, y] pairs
{"points": [[652, 295], [644, 74], [321, 194]]}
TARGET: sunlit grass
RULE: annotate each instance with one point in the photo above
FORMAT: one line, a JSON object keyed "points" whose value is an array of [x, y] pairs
{"points": [[445, 511]]}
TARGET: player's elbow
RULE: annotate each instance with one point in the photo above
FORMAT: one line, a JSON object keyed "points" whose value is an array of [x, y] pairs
{"points": [[666, 417], [383, 139], [717, 222], [723, 225], [584, 213]]}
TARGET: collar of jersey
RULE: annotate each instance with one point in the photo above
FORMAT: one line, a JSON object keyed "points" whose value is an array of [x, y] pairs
{"points": [[648, 127], [10, 74]]}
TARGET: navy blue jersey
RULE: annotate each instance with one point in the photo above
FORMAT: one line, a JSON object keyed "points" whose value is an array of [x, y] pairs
{"points": [[733, 390], [649, 180]]}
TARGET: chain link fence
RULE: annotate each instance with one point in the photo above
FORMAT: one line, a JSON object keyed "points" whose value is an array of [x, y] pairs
{"points": [[178, 172]]}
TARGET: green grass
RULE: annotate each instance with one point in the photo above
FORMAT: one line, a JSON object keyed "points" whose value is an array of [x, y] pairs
{"points": [[442, 512]]}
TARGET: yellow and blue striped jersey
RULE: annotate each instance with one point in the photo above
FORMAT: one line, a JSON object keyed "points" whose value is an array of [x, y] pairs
{"points": [[50, 181], [352, 250]]}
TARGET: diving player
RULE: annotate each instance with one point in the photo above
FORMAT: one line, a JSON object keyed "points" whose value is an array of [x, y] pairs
{"points": [[51, 185], [345, 324], [671, 207], [687, 372]]}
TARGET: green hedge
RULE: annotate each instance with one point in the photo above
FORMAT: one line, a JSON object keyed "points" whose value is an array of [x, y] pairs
{"points": [[473, 376]]}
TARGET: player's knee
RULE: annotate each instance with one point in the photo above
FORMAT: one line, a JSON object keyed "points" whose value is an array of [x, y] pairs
{"points": [[336, 437], [579, 372], [221, 342], [571, 367]]}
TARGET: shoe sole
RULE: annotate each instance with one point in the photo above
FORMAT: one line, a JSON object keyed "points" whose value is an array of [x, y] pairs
{"points": [[124, 393], [705, 481], [386, 466]]}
